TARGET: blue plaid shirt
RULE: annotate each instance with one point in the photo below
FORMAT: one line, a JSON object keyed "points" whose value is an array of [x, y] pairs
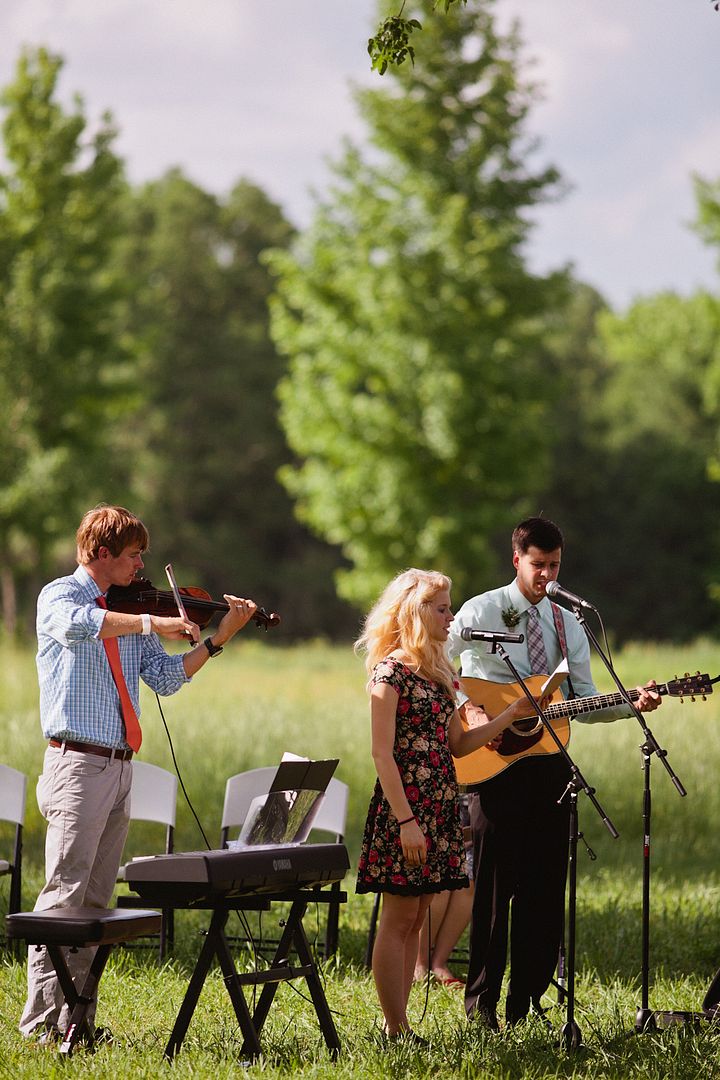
{"points": [[78, 697]]}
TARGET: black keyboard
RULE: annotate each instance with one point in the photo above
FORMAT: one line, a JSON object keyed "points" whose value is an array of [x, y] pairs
{"points": [[189, 875]]}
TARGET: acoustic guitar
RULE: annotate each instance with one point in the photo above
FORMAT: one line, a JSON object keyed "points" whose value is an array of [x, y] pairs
{"points": [[529, 737]]}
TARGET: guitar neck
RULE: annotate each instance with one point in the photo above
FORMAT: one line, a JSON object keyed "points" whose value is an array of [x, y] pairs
{"points": [[577, 706]]}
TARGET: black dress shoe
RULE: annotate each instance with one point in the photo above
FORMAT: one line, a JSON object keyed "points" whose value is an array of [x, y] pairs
{"points": [[512, 1017], [484, 1017], [541, 1014]]}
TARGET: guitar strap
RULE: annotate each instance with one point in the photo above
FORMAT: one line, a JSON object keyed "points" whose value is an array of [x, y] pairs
{"points": [[562, 640]]}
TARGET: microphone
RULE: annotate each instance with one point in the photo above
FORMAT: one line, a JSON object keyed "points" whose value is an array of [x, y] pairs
{"points": [[555, 589], [468, 634]]}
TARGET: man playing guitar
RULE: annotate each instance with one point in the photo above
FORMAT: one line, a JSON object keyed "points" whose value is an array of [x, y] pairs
{"points": [[520, 831]]}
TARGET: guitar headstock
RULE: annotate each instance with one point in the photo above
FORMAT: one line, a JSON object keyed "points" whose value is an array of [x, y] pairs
{"points": [[691, 686]]}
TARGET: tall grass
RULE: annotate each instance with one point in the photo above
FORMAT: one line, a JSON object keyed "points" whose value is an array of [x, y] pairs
{"points": [[258, 700]]}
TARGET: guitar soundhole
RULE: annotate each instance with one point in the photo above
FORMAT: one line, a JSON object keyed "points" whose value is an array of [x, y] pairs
{"points": [[526, 727], [515, 742]]}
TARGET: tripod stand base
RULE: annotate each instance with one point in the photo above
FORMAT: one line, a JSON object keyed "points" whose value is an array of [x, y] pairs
{"points": [[570, 1036], [652, 1019], [673, 1017]]}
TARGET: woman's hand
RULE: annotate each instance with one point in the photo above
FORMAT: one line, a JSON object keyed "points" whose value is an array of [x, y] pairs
{"points": [[484, 730], [521, 708], [413, 843]]}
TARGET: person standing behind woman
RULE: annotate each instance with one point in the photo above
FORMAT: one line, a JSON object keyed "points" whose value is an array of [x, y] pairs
{"points": [[413, 844]]}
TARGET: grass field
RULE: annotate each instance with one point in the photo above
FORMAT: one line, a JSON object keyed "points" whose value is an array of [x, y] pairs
{"points": [[259, 700]]}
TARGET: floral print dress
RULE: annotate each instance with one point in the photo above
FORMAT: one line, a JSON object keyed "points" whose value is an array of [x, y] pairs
{"points": [[426, 767]]}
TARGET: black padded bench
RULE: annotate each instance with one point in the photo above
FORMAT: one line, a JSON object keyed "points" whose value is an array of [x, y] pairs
{"points": [[80, 928]]}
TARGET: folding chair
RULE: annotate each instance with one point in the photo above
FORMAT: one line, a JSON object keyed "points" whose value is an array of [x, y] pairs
{"points": [[331, 818], [13, 792], [240, 790], [153, 797]]}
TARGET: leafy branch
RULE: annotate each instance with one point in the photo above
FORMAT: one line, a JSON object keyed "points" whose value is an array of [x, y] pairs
{"points": [[391, 43]]}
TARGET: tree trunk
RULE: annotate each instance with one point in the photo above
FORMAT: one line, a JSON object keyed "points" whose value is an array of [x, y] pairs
{"points": [[9, 600]]}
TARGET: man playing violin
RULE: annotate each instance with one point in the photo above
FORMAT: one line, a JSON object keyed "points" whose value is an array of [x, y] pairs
{"points": [[89, 710], [520, 828]]}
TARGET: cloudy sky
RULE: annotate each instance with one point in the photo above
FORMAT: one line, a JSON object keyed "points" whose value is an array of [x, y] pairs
{"points": [[262, 89]]}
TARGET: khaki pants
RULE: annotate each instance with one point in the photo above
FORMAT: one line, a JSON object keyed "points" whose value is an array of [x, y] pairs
{"points": [[85, 799]]}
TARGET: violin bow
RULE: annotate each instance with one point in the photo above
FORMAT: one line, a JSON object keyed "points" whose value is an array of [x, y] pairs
{"points": [[178, 598]]}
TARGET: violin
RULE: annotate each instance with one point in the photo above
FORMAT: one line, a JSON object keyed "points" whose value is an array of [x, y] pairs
{"points": [[141, 597]]}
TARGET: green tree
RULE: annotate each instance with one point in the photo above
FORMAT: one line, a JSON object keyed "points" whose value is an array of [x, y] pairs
{"points": [[707, 226], [415, 395], [62, 369], [707, 194], [206, 443], [630, 477]]}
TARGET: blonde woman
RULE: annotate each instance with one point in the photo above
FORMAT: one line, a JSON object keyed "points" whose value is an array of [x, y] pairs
{"points": [[413, 845]]}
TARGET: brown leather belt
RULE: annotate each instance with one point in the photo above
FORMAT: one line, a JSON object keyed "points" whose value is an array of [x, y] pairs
{"points": [[91, 748]]}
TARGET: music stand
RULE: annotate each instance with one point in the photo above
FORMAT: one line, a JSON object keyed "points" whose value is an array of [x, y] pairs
{"points": [[286, 814]]}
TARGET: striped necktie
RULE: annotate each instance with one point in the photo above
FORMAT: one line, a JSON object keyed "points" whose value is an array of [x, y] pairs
{"points": [[133, 734], [535, 644]]}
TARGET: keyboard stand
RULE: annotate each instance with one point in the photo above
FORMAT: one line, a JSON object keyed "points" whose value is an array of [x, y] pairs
{"points": [[281, 970]]}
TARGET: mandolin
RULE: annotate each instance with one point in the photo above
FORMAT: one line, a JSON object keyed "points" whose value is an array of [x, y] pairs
{"points": [[530, 737]]}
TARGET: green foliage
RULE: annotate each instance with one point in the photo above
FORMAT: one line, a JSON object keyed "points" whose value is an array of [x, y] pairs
{"points": [[136, 366], [707, 194], [197, 307], [63, 372], [707, 310], [629, 480], [391, 42], [661, 408], [435, 390], [413, 326]]}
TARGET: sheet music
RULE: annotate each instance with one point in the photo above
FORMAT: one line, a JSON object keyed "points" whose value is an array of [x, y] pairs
{"points": [[286, 813], [559, 675]]}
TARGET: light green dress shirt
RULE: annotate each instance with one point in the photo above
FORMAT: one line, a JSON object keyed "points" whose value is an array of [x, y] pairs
{"points": [[485, 612]]}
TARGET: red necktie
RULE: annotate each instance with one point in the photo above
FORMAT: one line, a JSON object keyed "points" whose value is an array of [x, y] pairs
{"points": [[133, 734]]}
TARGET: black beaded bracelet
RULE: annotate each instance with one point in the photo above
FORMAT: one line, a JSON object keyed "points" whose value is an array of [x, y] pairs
{"points": [[407, 820]]}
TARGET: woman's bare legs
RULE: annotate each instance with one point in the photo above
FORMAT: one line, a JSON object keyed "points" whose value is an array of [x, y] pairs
{"points": [[394, 955]]}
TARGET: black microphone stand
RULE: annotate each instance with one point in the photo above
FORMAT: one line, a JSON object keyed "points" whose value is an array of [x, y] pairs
{"points": [[570, 1032], [645, 1019]]}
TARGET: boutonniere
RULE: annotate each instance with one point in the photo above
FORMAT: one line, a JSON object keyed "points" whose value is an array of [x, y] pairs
{"points": [[511, 617]]}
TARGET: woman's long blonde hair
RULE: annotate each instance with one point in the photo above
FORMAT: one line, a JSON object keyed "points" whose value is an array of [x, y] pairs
{"points": [[398, 621]]}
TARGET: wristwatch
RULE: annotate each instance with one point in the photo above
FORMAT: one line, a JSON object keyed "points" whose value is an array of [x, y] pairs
{"points": [[214, 650]]}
